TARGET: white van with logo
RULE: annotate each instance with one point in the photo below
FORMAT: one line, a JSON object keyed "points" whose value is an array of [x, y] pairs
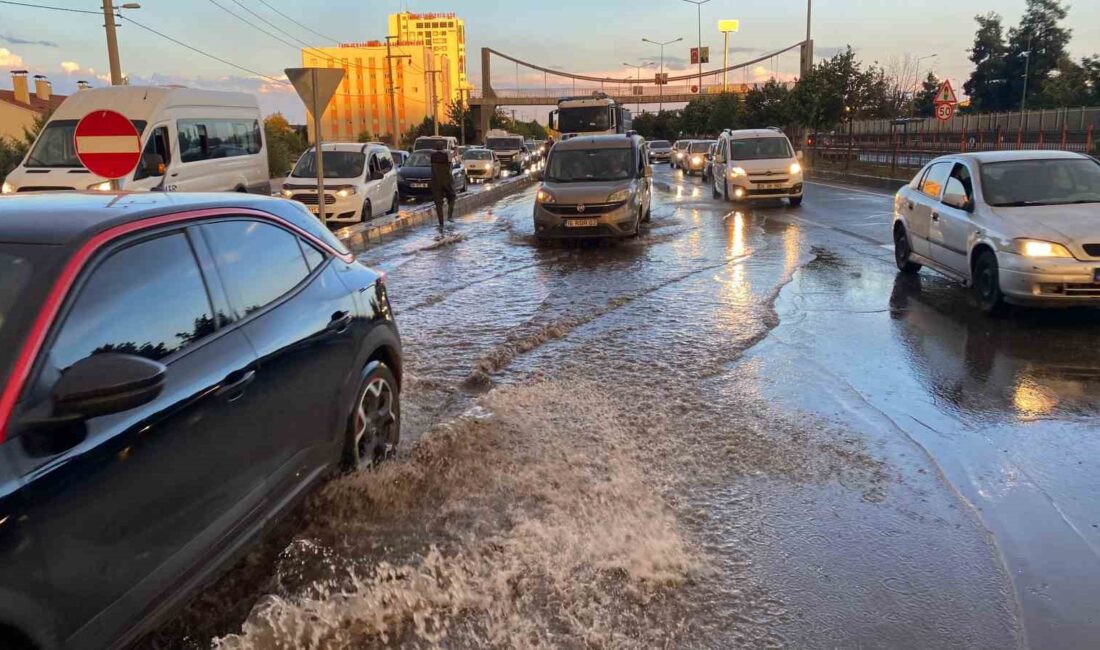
{"points": [[360, 181], [752, 164], [192, 141]]}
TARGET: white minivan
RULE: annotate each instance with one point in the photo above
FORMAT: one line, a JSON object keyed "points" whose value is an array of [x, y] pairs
{"points": [[360, 181], [753, 164], [192, 141]]}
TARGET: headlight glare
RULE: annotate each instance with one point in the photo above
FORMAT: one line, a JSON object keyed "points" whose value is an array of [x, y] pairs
{"points": [[544, 197], [105, 186], [1038, 248], [7, 188], [796, 168], [618, 197], [738, 171], [345, 192]]}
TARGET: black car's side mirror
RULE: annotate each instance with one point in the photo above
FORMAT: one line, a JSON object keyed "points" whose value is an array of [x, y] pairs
{"points": [[102, 384]]}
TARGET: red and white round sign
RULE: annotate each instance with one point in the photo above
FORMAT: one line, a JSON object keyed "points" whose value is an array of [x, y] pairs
{"points": [[945, 112], [107, 144], [695, 89]]}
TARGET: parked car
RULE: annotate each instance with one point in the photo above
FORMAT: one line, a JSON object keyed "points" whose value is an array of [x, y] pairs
{"points": [[481, 165], [1018, 226], [399, 157], [754, 164], [414, 178], [179, 370], [677, 155], [695, 157], [659, 151], [192, 141], [708, 168], [594, 186], [360, 182]]}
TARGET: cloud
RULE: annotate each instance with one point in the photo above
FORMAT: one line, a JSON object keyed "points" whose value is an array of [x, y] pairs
{"points": [[70, 66], [15, 40], [9, 59], [744, 50], [828, 51], [671, 62]]}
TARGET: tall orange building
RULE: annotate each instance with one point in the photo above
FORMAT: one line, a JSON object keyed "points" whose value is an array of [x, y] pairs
{"points": [[429, 67]]}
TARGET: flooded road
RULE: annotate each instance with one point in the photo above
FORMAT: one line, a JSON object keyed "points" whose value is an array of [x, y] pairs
{"points": [[740, 429]]}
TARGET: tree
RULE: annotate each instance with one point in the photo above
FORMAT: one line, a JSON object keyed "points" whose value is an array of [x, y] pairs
{"points": [[768, 105], [1068, 86], [664, 125], [284, 145], [818, 98], [988, 86], [924, 102], [695, 118], [364, 136], [13, 150], [1035, 49]]}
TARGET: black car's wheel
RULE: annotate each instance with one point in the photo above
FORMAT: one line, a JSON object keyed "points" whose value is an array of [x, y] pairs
{"points": [[396, 205], [374, 425], [987, 284], [365, 215], [902, 251]]}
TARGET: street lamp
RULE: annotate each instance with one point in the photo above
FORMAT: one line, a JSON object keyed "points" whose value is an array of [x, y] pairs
{"points": [[112, 38], [699, 15], [727, 26], [916, 82], [639, 69], [660, 86]]}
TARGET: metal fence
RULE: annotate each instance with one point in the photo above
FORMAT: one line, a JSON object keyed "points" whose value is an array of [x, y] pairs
{"points": [[911, 144]]}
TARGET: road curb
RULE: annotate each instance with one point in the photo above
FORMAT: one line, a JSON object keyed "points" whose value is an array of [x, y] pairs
{"points": [[361, 235], [878, 182]]}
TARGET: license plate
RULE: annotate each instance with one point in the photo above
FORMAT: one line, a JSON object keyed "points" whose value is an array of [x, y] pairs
{"points": [[419, 186], [581, 223], [770, 186], [1096, 276], [315, 209]]}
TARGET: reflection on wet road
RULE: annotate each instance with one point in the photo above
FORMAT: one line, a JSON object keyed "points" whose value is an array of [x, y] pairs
{"points": [[741, 429]]}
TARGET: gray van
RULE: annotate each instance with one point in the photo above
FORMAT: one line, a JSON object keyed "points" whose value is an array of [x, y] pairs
{"points": [[594, 186]]}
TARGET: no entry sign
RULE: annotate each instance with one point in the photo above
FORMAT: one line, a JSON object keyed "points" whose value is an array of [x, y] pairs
{"points": [[107, 144]]}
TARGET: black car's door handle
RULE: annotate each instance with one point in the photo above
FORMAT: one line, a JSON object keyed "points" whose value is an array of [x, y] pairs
{"points": [[233, 386], [340, 322]]}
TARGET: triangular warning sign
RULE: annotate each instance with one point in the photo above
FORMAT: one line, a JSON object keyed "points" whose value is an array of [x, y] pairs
{"points": [[315, 86], [946, 94]]}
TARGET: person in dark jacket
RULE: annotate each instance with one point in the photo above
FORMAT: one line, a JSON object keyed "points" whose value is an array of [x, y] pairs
{"points": [[443, 185]]}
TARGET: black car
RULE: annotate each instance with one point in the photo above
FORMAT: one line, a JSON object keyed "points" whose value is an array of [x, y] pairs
{"points": [[415, 176], [176, 371]]}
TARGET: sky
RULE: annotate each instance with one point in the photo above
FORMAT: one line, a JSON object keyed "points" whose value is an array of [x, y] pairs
{"points": [[581, 36]]}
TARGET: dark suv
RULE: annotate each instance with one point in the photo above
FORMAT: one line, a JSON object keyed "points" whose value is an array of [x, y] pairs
{"points": [[176, 371]]}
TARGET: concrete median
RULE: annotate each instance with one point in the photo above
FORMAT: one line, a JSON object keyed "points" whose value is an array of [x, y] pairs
{"points": [[361, 235]]}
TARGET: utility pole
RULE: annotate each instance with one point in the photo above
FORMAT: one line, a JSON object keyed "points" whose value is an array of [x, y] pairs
{"points": [[112, 42], [462, 115], [1027, 73], [639, 69], [660, 84], [393, 93], [808, 44], [699, 12], [430, 74]]}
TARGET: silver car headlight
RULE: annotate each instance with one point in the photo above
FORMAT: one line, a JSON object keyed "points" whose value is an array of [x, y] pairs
{"points": [[7, 188], [619, 197], [105, 186], [738, 171], [345, 192], [287, 193], [1038, 248], [544, 197]]}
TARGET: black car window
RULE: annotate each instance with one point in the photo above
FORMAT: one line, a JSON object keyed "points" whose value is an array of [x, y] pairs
{"points": [[148, 299], [258, 262], [314, 257]]}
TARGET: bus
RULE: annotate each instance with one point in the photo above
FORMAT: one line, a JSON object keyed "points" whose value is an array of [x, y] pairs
{"points": [[597, 114]]}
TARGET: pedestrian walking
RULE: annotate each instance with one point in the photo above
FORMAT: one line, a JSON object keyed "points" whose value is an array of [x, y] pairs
{"points": [[443, 185]]}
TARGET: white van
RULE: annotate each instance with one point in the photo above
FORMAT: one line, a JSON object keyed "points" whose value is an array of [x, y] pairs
{"points": [[208, 141], [360, 181], [756, 164]]}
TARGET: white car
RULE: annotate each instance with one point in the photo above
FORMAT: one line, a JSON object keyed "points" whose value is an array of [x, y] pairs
{"points": [[1017, 226], [481, 165], [360, 182], [756, 164]]}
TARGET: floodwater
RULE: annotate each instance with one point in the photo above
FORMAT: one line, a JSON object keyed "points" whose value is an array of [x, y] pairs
{"points": [[740, 429]]}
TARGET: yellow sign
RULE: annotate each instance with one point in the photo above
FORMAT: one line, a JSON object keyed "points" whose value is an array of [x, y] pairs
{"points": [[729, 25]]}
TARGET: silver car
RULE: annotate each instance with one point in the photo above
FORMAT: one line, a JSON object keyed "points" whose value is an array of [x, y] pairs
{"points": [[1018, 226], [594, 186], [481, 165]]}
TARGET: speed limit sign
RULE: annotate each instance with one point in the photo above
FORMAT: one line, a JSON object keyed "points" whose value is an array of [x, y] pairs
{"points": [[945, 112]]}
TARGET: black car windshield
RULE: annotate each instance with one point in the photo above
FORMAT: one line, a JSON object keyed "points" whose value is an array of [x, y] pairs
{"points": [[760, 149], [15, 274], [578, 165], [506, 144], [56, 146], [419, 159], [702, 146], [584, 119], [660, 144], [1041, 182], [338, 164], [478, 154]]}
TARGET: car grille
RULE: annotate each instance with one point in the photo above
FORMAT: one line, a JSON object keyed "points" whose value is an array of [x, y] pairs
{"points": [[46, 188], [1093, 250], [774, 178], [1074, 290], [311, 199], [776, 192], [590, 209]]}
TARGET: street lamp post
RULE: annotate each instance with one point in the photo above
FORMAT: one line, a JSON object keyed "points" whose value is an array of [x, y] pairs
{"points": [[639, 69], [661, 86], [112, 38], [699, 16], [916, 83], [727, 26], [1027, 73]]}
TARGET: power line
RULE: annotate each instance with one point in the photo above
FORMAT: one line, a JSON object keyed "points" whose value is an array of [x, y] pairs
{"points": [[327, 38], [34, 6], [252, 25]]}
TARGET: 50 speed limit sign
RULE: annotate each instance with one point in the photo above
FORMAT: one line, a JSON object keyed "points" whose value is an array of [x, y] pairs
{"points": [[945, 112]]}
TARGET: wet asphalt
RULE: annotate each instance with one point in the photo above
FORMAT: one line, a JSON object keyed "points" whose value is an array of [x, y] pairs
{"points": [[986, 533]]}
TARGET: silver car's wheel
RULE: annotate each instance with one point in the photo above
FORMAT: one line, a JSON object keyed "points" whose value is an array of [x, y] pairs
{"points": [[376, 421]]}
